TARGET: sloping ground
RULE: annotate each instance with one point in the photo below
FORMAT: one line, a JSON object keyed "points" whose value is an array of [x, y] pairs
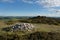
{"points": [[32, 36], [2, 24], [47, 28], [41, 32]]}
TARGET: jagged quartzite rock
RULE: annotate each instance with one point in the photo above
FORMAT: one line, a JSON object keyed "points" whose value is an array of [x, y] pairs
{"points": [[21, 26]]}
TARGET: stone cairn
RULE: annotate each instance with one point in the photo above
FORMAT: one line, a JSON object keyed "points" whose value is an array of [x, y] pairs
{"points": [[20, 26]]}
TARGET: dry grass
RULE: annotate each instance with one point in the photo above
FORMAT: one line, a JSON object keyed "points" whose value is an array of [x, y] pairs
{"points": [[47, 28], [38, 27]]}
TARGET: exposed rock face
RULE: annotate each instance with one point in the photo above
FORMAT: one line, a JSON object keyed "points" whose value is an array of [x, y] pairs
{"points": [[20, 26]]}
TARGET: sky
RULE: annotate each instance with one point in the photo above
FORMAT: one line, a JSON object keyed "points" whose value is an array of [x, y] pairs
{"points": [[30, 8]]}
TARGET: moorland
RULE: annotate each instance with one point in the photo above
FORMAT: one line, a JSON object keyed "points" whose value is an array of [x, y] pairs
{"points": [[46, 28]]}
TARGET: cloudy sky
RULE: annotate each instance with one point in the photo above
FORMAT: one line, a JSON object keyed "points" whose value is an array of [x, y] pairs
{"points": [[30, 8]]}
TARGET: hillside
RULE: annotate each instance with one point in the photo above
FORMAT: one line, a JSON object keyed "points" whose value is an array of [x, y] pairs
{"points": [[43, 20], [46, 28]]}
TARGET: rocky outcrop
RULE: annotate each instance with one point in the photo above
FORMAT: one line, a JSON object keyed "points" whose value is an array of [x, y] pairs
{"points": [[20, 26]]}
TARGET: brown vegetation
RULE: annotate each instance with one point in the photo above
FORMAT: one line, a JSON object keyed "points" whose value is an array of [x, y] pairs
{"points": [[32, 36]]}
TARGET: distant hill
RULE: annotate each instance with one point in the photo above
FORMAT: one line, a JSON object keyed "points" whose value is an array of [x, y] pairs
{"points": [[43, 19], [31, 19]]}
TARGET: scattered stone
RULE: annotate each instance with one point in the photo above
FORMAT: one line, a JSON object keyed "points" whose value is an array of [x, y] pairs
{"points": [[20, 26]]}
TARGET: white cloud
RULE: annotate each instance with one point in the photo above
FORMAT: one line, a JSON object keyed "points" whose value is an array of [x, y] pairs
{"points": [[49, 3], [54, 10], [45, 3]]}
